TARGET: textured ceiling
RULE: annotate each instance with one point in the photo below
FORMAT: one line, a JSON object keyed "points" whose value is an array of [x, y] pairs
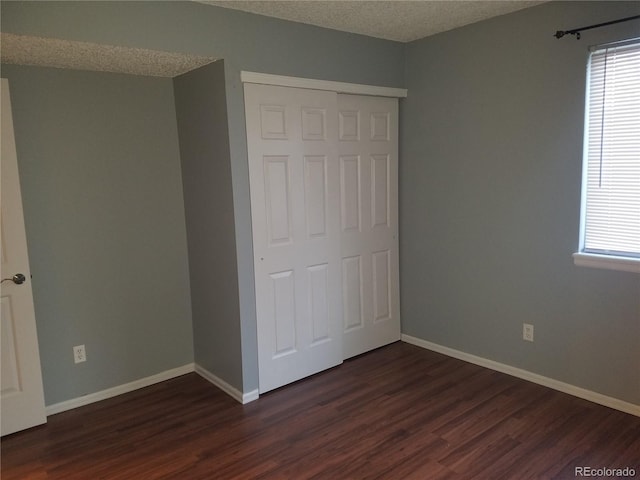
{"points": [[51, 52], [398, 20]]}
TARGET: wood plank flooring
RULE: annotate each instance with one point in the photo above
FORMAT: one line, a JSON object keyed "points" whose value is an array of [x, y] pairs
{"points": [[399, 412]]}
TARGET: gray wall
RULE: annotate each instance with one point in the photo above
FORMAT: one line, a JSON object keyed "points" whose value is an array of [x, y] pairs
{"points": [[208, 200], [490, 200], [245, 42], [490, 170], [100, 174]]}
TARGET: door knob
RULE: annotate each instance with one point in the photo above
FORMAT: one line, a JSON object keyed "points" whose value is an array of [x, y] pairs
{"points": [[18, 279]]}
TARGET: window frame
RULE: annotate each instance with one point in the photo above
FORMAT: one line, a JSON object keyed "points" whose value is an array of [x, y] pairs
{"points": [[610, 261]]}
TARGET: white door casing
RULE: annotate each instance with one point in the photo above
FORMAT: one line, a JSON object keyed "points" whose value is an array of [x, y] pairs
{"points": [[294, 183], [368, 158], [22, 396]]}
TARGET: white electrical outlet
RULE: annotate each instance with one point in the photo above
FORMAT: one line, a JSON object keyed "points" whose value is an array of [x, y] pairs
{"points": [[527, 332], [79, 355]]}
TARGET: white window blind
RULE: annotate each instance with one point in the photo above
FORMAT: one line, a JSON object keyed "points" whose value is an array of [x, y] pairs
{"points": [[611, 188]]}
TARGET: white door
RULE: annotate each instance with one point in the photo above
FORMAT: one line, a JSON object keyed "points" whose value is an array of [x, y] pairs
{"points": [[22, 396], [368, 157], [294, 181]]}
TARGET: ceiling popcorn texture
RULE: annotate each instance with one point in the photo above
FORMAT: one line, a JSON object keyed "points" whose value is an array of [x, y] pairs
{"points": [[399, 20], [52, 52]]}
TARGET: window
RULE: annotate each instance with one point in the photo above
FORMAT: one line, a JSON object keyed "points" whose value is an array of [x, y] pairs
{"points": [[610, 223]]}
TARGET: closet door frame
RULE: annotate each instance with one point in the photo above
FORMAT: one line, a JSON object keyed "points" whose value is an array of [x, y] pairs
{"points": [[314, 84], [311, 84]]}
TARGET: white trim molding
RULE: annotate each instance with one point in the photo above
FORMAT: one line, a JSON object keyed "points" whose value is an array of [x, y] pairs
{"points": [[589, 395], [233, 392], [609, 262], [314, 84], [152, 380], [119, 390]]}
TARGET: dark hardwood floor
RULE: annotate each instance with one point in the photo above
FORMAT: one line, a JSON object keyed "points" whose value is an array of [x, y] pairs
{"points": [[399, 412]]}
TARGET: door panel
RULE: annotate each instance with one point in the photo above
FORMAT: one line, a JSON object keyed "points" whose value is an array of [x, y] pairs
{"points": [[276, 185], [352, 293], [381, 286], [315, 192], [10, 375], [380, 190], [318, 302], [350, 192], [21, 393], [295, 191], [368, 151]]}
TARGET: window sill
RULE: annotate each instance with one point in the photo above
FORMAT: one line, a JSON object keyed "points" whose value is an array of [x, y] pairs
{"points": [[609, 262]]}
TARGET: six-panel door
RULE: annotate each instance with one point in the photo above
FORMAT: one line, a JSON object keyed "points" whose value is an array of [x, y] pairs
{"points": [[368, 157], [21, 395], [294, 178]]}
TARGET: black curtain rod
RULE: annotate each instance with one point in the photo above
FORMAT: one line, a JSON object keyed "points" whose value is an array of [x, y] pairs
{"points": [[576, 31]]}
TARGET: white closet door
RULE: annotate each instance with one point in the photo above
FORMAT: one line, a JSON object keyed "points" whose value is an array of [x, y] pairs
{"points": [[368, 162], [295, 191]]}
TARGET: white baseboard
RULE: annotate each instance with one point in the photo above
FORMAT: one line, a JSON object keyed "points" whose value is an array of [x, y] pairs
{"points": [[595, 397], [225, 387], [119, 390]]}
